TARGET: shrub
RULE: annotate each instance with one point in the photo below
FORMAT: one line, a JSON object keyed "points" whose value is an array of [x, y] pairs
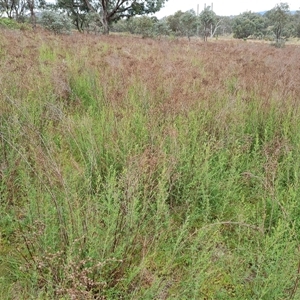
{"points": [[55, 22], [12, 24], [92, 22]]}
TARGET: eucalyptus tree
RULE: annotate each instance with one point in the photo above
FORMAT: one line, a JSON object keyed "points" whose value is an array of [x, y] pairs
{"points": [[208, 19], [182, 23], [188, 23], [296, 22], [161, 27], [55, 22], [110, 11], [226, 26], [173, 22], [77, 10], [19, 10], [248, 24], [144, 26], [278, 17], [13, 9]]}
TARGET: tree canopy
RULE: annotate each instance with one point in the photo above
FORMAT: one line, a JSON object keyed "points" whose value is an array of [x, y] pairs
{"points": [[110, 10], [207, 19], [132, 16], [278, 17], [248, 24]]}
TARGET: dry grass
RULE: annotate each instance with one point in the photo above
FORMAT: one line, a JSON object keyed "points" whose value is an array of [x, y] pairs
{"points": [[169, 70], [148, 169]]}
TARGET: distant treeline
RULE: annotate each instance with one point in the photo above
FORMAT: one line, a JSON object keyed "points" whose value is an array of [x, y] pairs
{"points": [[134, 17]]}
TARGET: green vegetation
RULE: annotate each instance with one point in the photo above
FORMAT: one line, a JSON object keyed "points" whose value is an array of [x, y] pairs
{"points": [[11, 24], [208, 20], [8, 23], [123, 16], [108, 11], [277, 24], [157, 175], [249, 24], [57, 23]]}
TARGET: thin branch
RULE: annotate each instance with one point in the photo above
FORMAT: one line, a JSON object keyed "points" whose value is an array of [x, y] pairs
{"points": [[216, 27], [90, 7]]}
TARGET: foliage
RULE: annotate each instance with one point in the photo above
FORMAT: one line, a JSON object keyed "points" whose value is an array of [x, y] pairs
{"points": [[91, 23], [78, 12], [208, 19], [182, 23], [226, 26], [141, 169], [109, 11], [21, 10], [145, 26], [14, 9], [124, 25], [55, 22], [161, 27], [188, 23], [103, 15], [173, 22], [296, 24], [248, 24], [278, 17], [9, 23]]}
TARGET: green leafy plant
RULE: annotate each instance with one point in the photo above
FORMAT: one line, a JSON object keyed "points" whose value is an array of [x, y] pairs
{"points": [[12, 24], [56, 22]]}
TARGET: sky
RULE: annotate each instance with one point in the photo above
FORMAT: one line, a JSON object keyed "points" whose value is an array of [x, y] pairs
{"points": [[223, 7]]}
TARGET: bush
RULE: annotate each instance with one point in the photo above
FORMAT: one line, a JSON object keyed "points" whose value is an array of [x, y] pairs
{"points": [[12, 24], [55, 22], [92, 22]]}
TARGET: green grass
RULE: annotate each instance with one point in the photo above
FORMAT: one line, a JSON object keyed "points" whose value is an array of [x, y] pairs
{"points": [[125, 201], [7, 23]]}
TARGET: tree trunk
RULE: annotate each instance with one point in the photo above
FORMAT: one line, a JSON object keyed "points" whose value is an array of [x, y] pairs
{"points": [[278, 35], [216, 28], [206, 32], [105, 23], [31, 4]]}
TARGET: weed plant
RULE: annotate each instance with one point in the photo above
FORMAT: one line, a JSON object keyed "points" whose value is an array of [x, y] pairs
{"points": [[139, 169]]}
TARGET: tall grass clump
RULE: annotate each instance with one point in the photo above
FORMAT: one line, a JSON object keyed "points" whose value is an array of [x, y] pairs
{"points": [[141, 169]]}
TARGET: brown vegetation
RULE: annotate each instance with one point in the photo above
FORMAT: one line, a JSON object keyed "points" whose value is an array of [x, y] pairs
{"points": [[177, 72], [148, 169]]}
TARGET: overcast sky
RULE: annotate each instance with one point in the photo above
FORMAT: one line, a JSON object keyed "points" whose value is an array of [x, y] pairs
{"points": [[223, 7]]}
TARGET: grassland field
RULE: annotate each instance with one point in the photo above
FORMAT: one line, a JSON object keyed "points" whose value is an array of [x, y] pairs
{"points": [[138, 168]]}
